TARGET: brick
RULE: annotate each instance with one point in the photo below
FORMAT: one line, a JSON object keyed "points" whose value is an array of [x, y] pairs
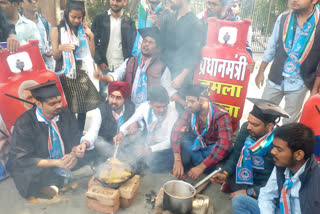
{"points": [[97, 207], [94, 182], [106, 196], [125, 203], [128, 189]]}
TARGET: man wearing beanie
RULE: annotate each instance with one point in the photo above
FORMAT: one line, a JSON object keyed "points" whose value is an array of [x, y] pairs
{"points": [[249, 166], [108, 118], [202, 135]]}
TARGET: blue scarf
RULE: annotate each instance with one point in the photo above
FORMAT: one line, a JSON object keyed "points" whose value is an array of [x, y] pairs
{"points": [[252, 156], [80, 54], [141, 93], [299, 52], [199, 141], [120, 121], [55, 144]]}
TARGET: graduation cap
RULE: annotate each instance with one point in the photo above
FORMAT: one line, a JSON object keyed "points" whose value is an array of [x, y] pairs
{"points": [[45, 90], [266, 111], [195, 90], [152, 32]]}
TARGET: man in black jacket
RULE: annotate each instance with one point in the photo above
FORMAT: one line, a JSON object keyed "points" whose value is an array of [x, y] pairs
{"points": [[8, 33], [114, 35], [256, 133], [108, 118], [293, 186], [45, 144]]}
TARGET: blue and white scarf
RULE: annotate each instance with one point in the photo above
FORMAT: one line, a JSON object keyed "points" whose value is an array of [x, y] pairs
{"points": [[55, 143], [141, 93], [82, 52], [252, 157], [299, 52], [199, 141]]}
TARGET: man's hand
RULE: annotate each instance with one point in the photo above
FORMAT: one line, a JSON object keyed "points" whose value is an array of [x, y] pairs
{"points": [[259, 79], [251, 67], [12, 43], [118, 138], [195, 172], [81, 148], [153, 18], [178, 170], [142, 151], [178, 81], [132, 129], [87, 31], [69, 161], [243, 192], [219, 178]]}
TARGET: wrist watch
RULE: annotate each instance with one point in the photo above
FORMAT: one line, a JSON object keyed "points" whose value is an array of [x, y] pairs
{"points": [[250, 192]]}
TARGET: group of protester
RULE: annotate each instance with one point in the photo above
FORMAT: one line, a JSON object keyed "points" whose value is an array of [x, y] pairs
{"points": [[267, 170]]}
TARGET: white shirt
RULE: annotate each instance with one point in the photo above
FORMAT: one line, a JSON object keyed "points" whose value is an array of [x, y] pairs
{"points": [[95, 124], [114, 51], [270, 192], [163, 133], [119, 75]]}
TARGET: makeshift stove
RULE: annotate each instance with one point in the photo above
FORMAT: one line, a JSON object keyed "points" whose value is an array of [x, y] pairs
{"points": [[107, 200], [200, 204]]}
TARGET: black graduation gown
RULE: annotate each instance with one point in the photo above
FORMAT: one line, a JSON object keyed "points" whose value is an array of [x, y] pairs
{"points": [[30, 145]]}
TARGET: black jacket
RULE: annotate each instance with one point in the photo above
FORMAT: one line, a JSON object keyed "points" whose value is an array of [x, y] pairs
{"points": [[101, 30], [30, 144], [108, 128], [309, 194], [308, 67]]}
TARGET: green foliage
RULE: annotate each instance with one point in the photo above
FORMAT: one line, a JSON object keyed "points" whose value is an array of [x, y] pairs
{"points": [[99, 6]]}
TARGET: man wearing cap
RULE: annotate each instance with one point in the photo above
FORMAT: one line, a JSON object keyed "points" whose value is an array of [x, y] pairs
{"points": [[45, 144], [145, 70], [154, 149], [108, 118], [250, 164], [202, 135]]}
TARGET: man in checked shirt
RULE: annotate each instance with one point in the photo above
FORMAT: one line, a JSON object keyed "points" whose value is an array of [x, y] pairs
{"points": [[202, 135]]}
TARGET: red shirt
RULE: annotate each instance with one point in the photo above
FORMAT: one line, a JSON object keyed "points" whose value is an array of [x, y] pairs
{"points": [[219, 133]]}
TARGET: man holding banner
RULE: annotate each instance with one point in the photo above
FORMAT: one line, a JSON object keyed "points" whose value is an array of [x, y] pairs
{"points": [[150, 12]]}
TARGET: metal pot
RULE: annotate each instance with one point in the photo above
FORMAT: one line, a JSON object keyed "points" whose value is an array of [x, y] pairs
{"points": [[178, 196]]}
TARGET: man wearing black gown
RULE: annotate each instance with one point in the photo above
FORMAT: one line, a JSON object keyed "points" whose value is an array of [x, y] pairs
{"points": [[45, 144]]}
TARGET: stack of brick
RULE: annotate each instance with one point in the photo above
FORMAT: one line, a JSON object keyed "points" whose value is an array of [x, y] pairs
{"points": [[106, 200], [129, 191]]}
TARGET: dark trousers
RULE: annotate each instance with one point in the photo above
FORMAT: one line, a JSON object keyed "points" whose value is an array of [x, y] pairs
{"points": [[192, 158]]}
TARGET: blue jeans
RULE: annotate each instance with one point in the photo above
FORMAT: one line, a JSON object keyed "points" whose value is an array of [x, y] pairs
{"points": [[194, 158], [243, 204]]}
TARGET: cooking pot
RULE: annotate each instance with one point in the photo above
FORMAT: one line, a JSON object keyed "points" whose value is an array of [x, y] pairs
{"points": [[178, 196]]}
